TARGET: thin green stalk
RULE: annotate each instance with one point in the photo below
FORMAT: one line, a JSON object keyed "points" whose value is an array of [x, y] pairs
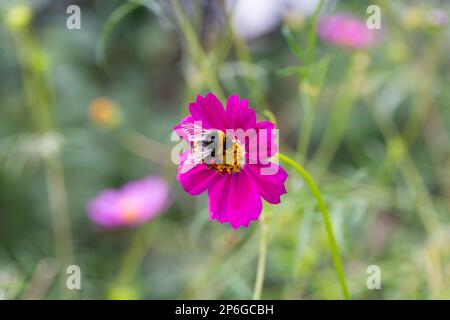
{"points": [[57, 197], [116, 16], [215, 264], [309, 90], [134, 256], [326, 218], [34, 82], [398, 150], [423, 107], [243, 53], [39, 93], [260, 271], [436, 128], [307, 97], [145, 147], [306, 129], [196, 51], [312, 34]]}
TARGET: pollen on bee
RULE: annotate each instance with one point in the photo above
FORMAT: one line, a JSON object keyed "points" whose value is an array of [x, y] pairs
{"points": [[231, 161]]}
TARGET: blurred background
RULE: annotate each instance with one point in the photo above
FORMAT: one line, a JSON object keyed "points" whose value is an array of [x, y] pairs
{"points": [[365, 111]]}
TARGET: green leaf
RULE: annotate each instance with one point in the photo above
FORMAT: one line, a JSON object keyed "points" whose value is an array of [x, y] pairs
{"points": [[291, 42], [312, 33], [113, 20], [293, 70]]}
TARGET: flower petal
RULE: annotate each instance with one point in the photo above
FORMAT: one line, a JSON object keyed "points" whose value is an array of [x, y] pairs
{"points": [[150, 196], [270, 186], [239, 115], [198, 179], [178, 128], [133, 204], [265, 147], [104, 210], [346, 31], [210, 111], [235, 199]]}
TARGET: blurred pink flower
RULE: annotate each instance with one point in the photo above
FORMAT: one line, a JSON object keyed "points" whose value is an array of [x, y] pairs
{"points": [[133, 204], [235, 188], [437, 18], [346, 31]]}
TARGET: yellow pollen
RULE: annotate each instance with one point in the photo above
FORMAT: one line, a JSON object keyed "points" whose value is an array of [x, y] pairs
{"points": [[230, 160]]}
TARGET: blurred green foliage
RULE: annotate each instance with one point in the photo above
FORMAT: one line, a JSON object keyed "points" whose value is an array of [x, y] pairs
{"points": [[372, 128]]}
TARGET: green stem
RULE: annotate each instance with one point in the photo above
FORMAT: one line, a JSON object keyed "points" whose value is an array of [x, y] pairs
{"points": [[306, 98], [135, 255], [398, 150], [260, 271], [312, 34], [39, 92], [420, 113], [307, 123], [243, 53], [57, 197], [116, 16], [196, 51], [326, 217]]}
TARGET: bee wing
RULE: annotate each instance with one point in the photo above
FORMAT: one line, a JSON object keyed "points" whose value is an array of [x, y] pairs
{"points": [[193, 132], [193, 158]]}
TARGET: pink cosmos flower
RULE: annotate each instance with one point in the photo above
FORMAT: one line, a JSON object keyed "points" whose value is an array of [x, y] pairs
{"points": [[235, 186], [345, 31], [133, 204]]}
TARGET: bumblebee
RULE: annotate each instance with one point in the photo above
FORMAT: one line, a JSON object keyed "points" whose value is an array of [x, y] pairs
{"points": [[214, 148]]}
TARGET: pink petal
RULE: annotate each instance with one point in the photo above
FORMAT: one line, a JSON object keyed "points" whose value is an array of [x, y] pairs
{"points": [[133, 204], [210, 111], [239, 115], [235, 199], [271, 187], [149, 195], [346, 31], [266, 147], [198, 179], [178, 129], [104, 210]]}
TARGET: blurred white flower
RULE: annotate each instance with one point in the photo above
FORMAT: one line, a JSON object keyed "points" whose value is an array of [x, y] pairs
{"points": [[254, 18], [28, 149]]}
